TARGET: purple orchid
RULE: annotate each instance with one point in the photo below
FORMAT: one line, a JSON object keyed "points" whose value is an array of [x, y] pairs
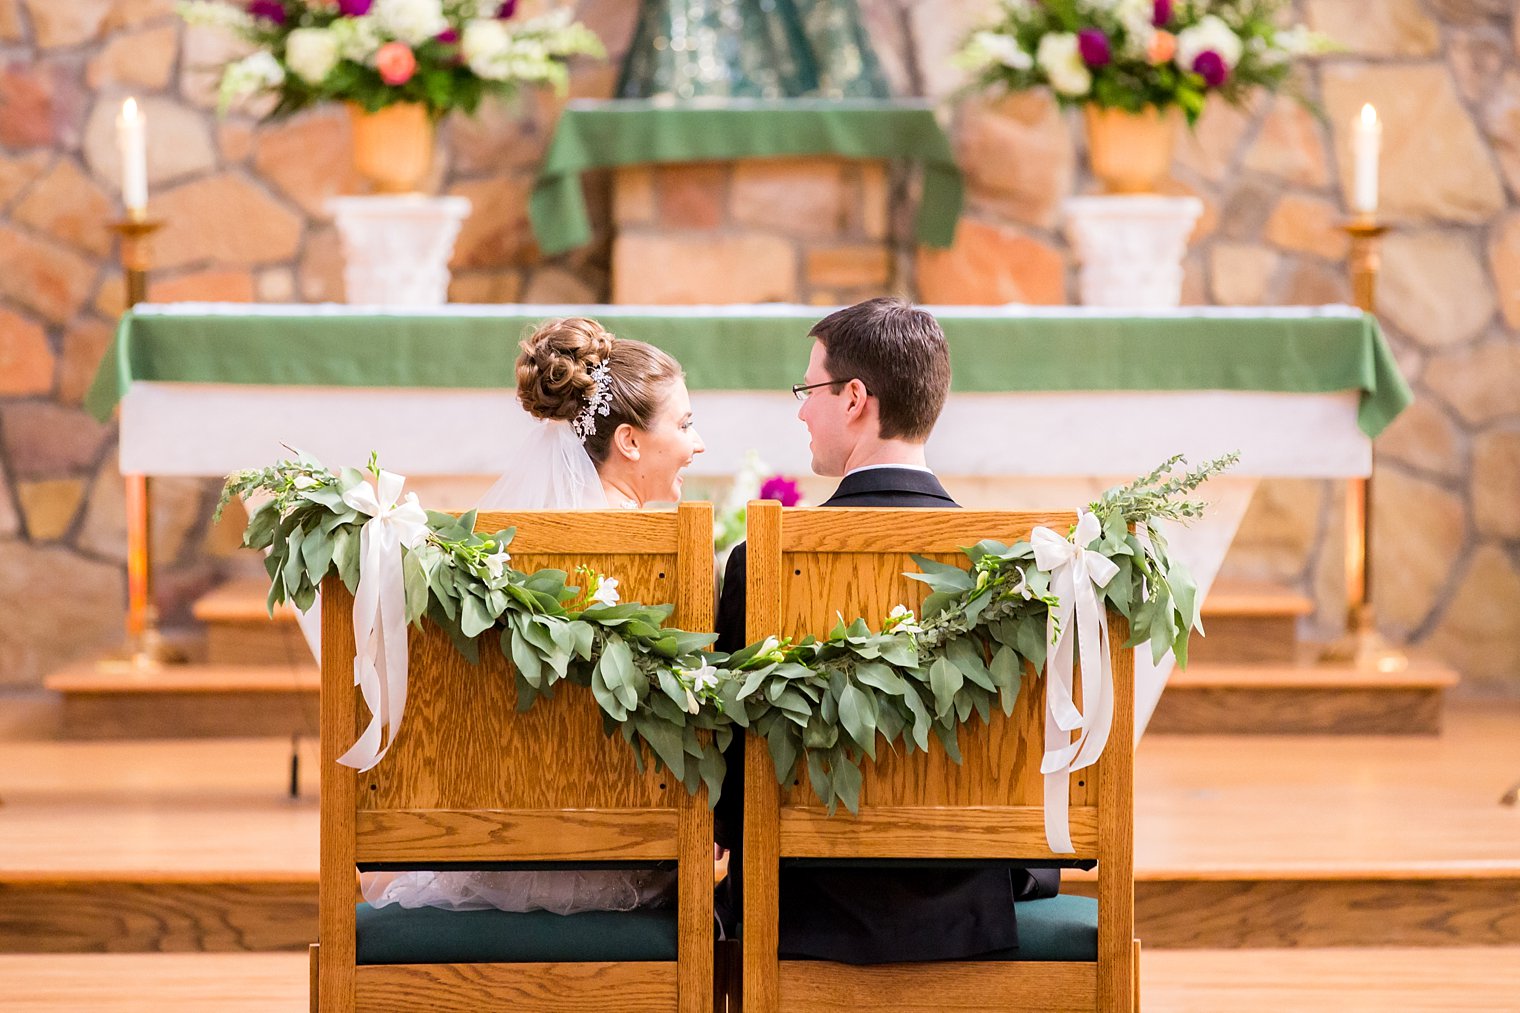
{"points": [[269, 10], [781, 488], [1212, 66], [1161, 13], [354, 8], [1093, 45]]}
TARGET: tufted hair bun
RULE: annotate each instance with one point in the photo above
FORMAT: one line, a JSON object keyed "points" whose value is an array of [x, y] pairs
{"points": [[554, 368]]}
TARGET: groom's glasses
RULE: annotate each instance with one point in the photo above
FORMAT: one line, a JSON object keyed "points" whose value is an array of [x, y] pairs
{"points": [[803, 391]]}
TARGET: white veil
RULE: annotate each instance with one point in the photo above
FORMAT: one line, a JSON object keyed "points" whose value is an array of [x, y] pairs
{"points": [[550, 471]]}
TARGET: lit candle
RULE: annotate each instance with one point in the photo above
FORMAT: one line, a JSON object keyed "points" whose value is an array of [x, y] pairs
{"points": [[1366, 138], [132, 138]]}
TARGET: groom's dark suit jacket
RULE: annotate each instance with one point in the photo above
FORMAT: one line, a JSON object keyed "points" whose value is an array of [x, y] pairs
{"points": [[863, 915]]}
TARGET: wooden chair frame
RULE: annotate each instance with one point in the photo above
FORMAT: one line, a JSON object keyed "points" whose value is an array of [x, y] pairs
{"points": [[471, 780], [805, 566]]}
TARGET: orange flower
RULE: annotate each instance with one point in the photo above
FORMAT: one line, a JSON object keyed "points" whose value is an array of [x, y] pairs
{"points": [[1163, 46], [395, 62]]}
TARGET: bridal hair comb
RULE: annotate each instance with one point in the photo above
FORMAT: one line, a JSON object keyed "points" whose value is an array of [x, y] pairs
{"points": [[598, 402]]}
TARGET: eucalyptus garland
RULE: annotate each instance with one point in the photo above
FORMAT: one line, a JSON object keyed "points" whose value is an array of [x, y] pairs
{"points": [[819, 703]]}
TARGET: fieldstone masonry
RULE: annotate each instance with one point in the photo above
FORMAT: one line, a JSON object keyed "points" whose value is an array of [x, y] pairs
{"points": [[244, 206]]}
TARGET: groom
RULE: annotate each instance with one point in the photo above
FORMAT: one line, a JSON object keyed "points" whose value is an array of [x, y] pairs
{"points": [[876, 381]]}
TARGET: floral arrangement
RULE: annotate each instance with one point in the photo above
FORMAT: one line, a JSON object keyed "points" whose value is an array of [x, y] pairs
{"points": [[750, 483], [441, 54], [818, 703], [1129, 54]]}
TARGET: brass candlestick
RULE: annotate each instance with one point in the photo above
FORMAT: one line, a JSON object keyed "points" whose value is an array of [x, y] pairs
{"points": [[146, 648], [1362, 645]]}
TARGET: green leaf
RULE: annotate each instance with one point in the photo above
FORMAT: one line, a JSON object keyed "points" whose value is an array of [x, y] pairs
{"points": [[617, 663], [473, 617], [665, 740], [945, 680], [900, 651], [818, 777], [1007, 674], [846, 779], [416, 587], [879, 676], [965, 652], [921, 720], [857, 712], [520, 650]]}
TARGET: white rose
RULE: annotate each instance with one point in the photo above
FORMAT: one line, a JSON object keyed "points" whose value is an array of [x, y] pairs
{"points": [[1061, 61], [411, 21], [1208, 33], [358, 38], [1003, 49], [311, 53], [484, 45]]}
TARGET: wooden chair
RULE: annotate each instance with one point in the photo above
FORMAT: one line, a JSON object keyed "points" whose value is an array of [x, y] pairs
{"points": [[805, 566], [470, 780]]}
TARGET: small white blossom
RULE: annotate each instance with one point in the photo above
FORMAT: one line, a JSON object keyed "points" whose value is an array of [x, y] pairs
{"points": [[902, 620], [692, 706], [304, 481], [606, 592], [1209, 33], [1061, 61], [358, 38], [214, 14], [484, 44], [702, 678], [496, 563], [411, 21], [1003, 49], [312, 53]]}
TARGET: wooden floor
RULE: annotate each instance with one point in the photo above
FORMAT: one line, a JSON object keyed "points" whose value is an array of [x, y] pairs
{"points": [[1179, 981]]}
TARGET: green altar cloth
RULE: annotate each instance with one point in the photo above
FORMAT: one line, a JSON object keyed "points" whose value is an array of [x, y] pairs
{"points": [[603, 134], [761, 348]]}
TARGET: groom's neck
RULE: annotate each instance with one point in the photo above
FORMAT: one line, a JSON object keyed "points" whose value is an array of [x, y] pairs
{"points": [[879, 452]]}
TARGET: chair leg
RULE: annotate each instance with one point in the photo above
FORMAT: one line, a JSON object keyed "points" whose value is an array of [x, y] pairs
{"points": [[728, 987], [1135, 965], [315, 965]]}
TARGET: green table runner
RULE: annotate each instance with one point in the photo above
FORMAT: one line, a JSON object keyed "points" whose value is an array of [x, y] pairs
{"points": [[603, 134], [766, 349]]}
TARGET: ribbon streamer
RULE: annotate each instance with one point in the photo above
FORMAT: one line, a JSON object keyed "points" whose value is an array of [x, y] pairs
{"points": [[1077, 575], [380, 659]]}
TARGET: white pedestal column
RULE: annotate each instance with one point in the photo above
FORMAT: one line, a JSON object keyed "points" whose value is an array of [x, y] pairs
{"points": [[396, 249], [1131, 248]]}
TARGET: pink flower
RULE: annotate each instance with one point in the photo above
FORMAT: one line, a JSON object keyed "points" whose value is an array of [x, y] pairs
{"points": [[448, 36], [395, 62], [1161, 13], [354, 8], [507, 9], [1212, 66], [1093, 45], [781, 488], [269, 10]]}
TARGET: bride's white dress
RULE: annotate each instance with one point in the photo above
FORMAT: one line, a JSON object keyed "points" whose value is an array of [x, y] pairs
{"points": [[551, 472]]}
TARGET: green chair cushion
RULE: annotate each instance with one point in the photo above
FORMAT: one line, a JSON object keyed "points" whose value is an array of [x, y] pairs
{"points": [[1056, 928], [398, 935]]}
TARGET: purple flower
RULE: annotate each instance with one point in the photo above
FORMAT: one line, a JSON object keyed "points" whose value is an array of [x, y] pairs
{"points": [[1161, 13], [448, 36], [507, 9], [779, 487], [1093, 45], [269, 10], [354, 8], [1212, 66]]}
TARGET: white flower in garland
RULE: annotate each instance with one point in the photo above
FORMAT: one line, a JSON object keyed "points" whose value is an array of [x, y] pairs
{"points": [[411, 21], [606, 592], [312, 53], [902, 620], [702, 680], [1061, 60], [496, 563]]}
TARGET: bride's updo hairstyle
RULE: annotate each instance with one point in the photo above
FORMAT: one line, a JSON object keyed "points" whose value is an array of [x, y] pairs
{"points": [[554, 378]]}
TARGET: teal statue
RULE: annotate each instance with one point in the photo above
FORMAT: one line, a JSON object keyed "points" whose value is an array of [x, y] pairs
{"points": [[761, 49]]}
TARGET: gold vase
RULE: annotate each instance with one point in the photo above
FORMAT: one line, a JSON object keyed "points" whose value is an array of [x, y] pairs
{"points": [[392, 147], [1130, 152]]}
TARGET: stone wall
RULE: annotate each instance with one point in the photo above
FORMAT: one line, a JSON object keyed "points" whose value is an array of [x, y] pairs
{"points": [[244, 206]]}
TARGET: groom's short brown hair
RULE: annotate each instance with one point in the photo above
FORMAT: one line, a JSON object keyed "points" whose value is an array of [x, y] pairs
{"points": [[899, 352]]}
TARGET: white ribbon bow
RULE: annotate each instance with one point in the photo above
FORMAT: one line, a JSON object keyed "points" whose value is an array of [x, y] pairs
{"points": [[1077, 574], [380, 657]]}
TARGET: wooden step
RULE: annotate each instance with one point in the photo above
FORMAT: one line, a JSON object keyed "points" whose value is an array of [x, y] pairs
{"points": [[1259, 841], [1312, 699], [240, 630], [1249, 621], [156, 982], [185, 701]]}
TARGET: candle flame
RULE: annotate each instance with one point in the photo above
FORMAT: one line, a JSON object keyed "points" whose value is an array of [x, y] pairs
{"points": [[1369, 115], [129, 110]]}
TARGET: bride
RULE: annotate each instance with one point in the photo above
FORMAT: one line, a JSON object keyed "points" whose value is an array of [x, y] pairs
{"points": [[615, 430]]}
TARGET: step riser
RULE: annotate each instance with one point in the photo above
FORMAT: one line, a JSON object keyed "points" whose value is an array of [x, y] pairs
{"points": [[1198, 710], [1236, 640], [268, 643], [139, 917], [190, 715], [1267, 914]]}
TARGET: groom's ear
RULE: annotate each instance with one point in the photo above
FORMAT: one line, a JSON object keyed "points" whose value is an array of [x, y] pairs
{"points": [[856, 398], [625, 441]]}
